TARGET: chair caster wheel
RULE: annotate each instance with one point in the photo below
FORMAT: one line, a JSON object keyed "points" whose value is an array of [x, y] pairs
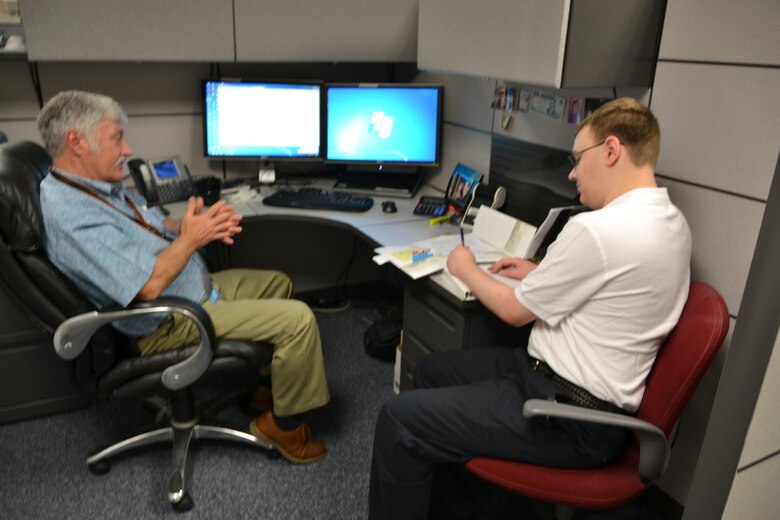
{"points": [[99, 468], [185, 504], [273, 454]]}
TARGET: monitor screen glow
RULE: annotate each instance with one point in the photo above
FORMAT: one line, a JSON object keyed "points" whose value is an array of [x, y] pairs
{"points": [[261, 119], [385, 123]]}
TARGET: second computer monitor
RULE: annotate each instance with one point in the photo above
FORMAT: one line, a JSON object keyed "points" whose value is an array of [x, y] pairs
{"points": [[391, 124], [382, 133]]}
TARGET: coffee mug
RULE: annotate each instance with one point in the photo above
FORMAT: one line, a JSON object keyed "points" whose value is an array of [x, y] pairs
{"points": [[208, 188]]}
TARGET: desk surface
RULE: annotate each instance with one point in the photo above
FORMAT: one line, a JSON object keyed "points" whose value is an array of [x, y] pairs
{"points": [[383, 229]]}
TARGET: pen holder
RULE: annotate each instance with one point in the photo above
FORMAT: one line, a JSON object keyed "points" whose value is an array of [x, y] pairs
{"points": [[209, 188]]}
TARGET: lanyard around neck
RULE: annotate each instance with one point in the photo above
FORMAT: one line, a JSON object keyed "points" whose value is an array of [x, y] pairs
{"points": [[138, 218]]}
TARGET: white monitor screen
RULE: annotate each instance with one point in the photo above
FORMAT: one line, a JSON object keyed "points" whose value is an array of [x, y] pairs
{"points": [[262, 119]]}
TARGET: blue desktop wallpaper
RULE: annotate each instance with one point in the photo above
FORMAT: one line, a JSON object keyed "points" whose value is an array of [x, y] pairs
{"points": [[382, 124]]}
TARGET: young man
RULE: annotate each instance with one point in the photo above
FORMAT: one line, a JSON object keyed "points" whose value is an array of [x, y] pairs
{"points": [[605, 296], [116, 250]]}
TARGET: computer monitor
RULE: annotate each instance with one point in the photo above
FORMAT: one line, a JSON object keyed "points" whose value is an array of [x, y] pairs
{"points": [[259, 119], [382, 133]]}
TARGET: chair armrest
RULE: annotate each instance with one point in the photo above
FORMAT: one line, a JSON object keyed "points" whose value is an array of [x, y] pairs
{"points": [[653, 448], [73, 335]]}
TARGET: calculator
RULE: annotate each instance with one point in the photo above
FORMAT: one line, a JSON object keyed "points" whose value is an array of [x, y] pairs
{"points": [[431, 207]]}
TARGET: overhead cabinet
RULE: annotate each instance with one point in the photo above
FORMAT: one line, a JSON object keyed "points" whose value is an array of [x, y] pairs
{"points": [[331, 30], [551, 43], [118, 30], [221, 30]]}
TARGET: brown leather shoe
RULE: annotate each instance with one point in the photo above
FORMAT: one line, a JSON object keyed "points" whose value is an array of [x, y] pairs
{"points": [[262, 399], [295, 445]]}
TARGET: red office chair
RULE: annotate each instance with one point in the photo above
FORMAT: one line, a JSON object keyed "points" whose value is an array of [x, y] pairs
{"points": [[681, 363]]}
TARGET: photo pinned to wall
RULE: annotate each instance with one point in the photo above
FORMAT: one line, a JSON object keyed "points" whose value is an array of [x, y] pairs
{"points": [[9, 13], [499, 98], [591, 104], [576, 109], [523, 100], [510, 99], [548, 105]]}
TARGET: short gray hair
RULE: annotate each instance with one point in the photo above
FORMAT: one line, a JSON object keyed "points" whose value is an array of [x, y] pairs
{"points": [[76, 110]]}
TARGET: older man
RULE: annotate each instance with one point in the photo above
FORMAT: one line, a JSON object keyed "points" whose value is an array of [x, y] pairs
{"points": [[116, 250]]}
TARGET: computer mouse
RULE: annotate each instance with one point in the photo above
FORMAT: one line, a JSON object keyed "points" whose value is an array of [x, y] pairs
{"points": [[389, 206]]}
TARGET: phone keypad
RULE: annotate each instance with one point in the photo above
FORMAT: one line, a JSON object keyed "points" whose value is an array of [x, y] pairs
{"points": [[173, 191], [431, 207]]}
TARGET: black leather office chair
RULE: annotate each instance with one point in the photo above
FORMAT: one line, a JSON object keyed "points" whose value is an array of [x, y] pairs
{"points": [[107, 365]]}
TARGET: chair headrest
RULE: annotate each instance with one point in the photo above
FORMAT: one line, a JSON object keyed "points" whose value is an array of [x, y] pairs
{"points": [[23, 165]]}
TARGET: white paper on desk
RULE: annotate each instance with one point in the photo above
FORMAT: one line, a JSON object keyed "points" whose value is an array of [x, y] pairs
{"points": [[416, 260], [463, 291], [482, 250], [502, 231]]}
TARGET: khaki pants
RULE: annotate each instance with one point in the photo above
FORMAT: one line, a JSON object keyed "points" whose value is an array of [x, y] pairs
{"points": [[255, 306]]}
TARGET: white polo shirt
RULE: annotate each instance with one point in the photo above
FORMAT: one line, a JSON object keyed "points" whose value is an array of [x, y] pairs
{"points": [[608, 292]]}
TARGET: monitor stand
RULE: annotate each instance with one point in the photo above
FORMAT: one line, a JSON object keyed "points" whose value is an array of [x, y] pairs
{"points": [[379, 183]]}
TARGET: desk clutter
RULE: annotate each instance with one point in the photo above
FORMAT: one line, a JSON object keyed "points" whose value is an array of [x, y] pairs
{"points": [[495, 235]]}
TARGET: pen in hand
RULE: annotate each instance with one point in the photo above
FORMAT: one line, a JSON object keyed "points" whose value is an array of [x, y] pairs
{"points": [[462, 238]]}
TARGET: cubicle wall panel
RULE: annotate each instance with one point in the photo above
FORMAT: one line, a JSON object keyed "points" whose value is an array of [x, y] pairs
{"points": [[17, 95], [762, 439], [174, 30], [466, 99], [162, 101], [337, 30], [718, 30], [182, 135], [461, 145], [21, 130], [141, 88], [754, 492], [720, 125], [725, 230]]}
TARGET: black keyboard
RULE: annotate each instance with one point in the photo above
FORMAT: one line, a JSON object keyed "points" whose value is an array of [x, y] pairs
{"points": [[315, 198]]}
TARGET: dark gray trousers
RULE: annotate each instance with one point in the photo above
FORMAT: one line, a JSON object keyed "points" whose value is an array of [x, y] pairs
{"points": [[469, 403]]}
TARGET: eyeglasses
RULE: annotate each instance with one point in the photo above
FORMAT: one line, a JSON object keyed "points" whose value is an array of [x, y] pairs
{"points": [[575, 157]]}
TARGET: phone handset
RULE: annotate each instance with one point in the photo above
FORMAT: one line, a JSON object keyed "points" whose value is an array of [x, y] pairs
{"points": [[144, 180]]}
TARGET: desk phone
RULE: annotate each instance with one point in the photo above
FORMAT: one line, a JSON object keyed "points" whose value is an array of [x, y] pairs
{"points": [[161, 180]]}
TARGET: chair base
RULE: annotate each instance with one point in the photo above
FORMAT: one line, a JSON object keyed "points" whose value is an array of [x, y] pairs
{"points": [[180, 436]]}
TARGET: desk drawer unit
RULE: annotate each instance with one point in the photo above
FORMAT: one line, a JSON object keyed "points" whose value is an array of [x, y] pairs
{"points": [[430, 322], [434, 322]]}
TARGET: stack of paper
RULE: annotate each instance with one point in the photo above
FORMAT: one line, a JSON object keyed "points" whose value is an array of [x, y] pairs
{"points": [[494, 236]]}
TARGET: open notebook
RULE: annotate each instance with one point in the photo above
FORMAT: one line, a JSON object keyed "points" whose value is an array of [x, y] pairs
{"points": [[495, 235], [536, 249]]}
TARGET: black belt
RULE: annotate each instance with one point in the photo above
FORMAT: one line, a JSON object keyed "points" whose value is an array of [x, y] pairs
{"points": [[572, 393]]}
